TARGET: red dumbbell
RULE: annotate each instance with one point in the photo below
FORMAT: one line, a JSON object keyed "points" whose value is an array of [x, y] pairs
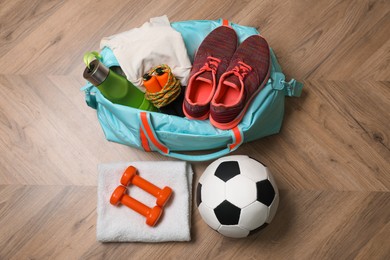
{"points": [[152, 214], [130, 176]]}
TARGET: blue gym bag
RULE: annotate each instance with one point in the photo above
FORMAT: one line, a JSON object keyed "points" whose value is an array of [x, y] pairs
{"points": [[171, 135]]}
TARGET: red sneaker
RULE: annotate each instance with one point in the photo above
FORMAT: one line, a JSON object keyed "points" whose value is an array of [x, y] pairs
{"points": [[246, 75], [211, 60]]}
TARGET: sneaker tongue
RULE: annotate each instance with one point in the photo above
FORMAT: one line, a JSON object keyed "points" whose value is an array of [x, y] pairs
{"points": [[232, 81], [205, 76]]}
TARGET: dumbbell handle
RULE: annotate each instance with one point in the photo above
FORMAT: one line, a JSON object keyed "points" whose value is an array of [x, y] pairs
{"points": [[146, 185], [135, 205]]}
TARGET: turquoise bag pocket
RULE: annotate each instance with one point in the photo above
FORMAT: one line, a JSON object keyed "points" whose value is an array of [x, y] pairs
{"points": [[171, 135]]}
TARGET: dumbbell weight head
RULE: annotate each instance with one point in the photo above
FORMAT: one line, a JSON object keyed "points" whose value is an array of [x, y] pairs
{"points": [[117, 195], [163, 196], [128, 175]]}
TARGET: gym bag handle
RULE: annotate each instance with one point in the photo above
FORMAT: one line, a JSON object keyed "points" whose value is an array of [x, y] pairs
{"points": [[147, 131]]}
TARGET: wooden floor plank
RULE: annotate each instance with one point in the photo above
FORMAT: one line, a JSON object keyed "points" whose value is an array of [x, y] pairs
{"points": [[331, 159], [330, 224]]}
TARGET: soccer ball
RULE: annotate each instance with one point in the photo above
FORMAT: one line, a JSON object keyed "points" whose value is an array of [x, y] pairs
{"points": [[237, 196]]}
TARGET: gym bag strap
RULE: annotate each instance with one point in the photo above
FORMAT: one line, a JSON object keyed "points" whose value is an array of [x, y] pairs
{"points": [[147, 131]]}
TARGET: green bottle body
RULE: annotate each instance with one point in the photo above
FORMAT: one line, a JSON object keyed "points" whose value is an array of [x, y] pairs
{"points": [[116, 88], [119, 90]]}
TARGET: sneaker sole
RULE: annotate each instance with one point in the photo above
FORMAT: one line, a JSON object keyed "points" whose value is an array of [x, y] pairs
{"points": [[204, 117]]}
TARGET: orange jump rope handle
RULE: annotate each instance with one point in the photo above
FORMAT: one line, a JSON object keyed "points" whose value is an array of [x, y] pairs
{"points": [[130, 177], [162, 77], [151, 83], [152, 214]]}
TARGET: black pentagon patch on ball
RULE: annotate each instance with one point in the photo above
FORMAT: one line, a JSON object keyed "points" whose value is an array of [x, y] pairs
{"points": [[265, 192], [227, 213], [199, 194], [227, 170]]}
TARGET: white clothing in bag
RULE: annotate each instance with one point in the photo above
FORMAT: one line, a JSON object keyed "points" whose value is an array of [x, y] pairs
{"points": [[154, 43]]}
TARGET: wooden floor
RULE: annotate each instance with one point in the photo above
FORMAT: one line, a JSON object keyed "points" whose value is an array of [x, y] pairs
{"points": [[331, 159]]}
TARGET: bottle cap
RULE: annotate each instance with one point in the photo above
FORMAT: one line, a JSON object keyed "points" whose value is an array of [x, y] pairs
{"points": [[96, 73]]}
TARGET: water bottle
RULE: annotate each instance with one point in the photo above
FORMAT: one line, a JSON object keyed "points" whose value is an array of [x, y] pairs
{"points": [[115, 87]]}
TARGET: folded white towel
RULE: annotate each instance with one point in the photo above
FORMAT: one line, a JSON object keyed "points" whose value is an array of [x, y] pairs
{"points": [[122, 224], [154, 43]]}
